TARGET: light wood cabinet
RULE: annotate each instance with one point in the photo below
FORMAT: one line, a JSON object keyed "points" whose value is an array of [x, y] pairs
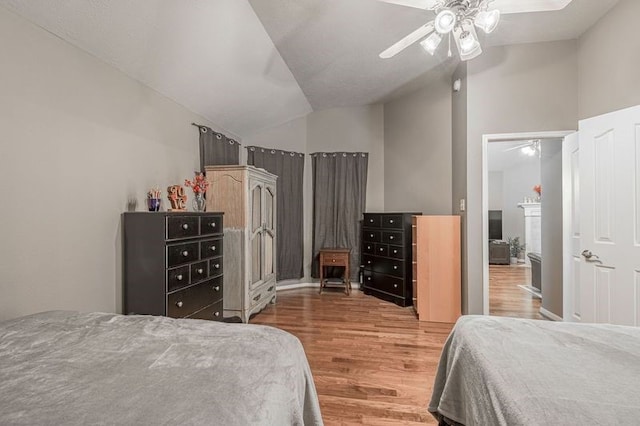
{"points": [[436, 268], [247, 196]]}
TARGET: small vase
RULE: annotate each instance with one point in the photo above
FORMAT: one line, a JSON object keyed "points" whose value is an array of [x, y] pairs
{"points": [[153, 204], [198, 202]]}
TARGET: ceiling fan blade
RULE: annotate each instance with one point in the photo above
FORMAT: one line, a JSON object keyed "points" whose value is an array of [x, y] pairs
{"points": [[408, 41], [518, 147], [418, 4], [523, 6]]}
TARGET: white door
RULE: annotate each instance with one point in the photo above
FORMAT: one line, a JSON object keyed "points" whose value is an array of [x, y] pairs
{"points": [[571, 222], [610, 217]]}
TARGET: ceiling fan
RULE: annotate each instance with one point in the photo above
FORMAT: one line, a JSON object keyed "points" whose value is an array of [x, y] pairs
{"points": [[459, 19], [530, 148]]}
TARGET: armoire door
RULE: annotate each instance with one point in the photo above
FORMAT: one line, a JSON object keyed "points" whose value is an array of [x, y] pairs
{"points": [[269, 235], [256, 237]]}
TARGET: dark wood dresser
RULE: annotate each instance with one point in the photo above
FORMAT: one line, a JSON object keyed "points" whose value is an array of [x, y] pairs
{"points": [[173, 264], [386, 256]]}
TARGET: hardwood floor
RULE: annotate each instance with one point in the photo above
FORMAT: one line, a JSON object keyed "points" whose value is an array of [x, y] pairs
{"points": [[506, 299], [373, 363]]}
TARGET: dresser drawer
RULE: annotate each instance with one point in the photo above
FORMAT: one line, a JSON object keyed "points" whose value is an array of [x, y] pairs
{"points": [[178, 254], [182, 303], [369, 261], [199, 271], [177, 278], [181, 227], [210, 248], [391, 285], [392, 221], [384, 266], [368, 248], [262, 293], [371, 220], [213, 312], [371, 236], [396, 252], [381, 250], [392, 237], [215, 266], [210, 224]]}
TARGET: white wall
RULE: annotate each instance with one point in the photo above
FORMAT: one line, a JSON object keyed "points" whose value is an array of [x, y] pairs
{"points": [[518, 183], [78, 138], [609, 63], [496, 190]]}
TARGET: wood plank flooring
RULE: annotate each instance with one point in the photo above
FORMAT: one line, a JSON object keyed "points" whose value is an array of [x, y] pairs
{"points": [[373, 363], [506, 299]]}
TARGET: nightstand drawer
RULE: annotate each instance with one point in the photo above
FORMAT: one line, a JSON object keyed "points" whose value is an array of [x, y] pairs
{"points": [[178, 254], [371, 220], [182, 227], [210, 248], [183, 303], [177, 278], [337, 259], [210, 225], [392, 221]]}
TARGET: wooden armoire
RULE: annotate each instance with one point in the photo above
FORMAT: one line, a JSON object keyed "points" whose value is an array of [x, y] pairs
{"points": [[247, 196]]}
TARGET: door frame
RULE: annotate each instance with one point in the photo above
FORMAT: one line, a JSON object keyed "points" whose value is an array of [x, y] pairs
{"points": [[486, 140]]}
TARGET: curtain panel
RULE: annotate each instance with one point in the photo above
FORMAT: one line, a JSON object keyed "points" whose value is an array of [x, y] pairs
{"points": [[339, 197], [289, 167], [216, 149]]}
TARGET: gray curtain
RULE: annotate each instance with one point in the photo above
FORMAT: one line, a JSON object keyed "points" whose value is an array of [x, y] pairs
{"points": [[289, 167], [216, 149], [339, 195]]}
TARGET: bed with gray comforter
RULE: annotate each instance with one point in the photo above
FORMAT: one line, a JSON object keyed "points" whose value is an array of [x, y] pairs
{"points": [[78, 369], [507, 371]]}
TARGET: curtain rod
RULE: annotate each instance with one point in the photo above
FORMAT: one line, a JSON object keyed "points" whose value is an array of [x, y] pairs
{"points": [[199, 126]]}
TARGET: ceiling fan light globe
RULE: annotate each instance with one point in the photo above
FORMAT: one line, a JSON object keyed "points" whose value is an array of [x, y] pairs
{"points": [[487, 20], [529, 150], [445, 21], [468, 43], [431, 43]]}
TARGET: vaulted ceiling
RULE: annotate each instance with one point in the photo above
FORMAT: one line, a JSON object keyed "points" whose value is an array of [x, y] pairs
{"points": [[250, 64]]}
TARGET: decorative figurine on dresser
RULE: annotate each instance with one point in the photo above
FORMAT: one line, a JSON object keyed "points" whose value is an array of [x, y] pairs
{"points": [[247, 195], [173, 264], [387, 255]]}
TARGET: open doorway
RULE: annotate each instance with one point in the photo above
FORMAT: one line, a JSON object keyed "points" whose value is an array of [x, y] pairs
{"points": [[522, 227]]}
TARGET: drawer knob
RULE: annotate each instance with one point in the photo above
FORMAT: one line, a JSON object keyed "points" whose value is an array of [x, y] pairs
{"points": [[381, 249], [395, 251], [179, 277], [216, 314], [333, 260], [371, 235], [185, 226], [179, 304], [391, 221], [368, 247], [395, 266], [369, 262], [212, 224], [370, 220], [185, 253], [212, 248], [368, 278], [216, 288], [217, 266], [391, 237], [395, 286], [200, 271]]}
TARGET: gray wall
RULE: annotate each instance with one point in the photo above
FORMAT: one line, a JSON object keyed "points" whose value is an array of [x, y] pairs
{"points": [[609, 62], [518, 183], [78, 139], [417, 151], [496, 190], [519, 88], [336, 129], [552, 264]]}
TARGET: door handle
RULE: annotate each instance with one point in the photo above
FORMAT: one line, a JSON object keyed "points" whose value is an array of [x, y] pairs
{"points": [[588, 255]]}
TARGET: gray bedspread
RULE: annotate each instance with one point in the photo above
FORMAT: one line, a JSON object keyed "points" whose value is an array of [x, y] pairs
{"points": [[506, 371], [68, 368]]}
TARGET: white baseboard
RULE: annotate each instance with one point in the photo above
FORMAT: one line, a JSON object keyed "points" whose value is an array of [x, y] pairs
{"points": [[294, 286], [550, 315]]}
